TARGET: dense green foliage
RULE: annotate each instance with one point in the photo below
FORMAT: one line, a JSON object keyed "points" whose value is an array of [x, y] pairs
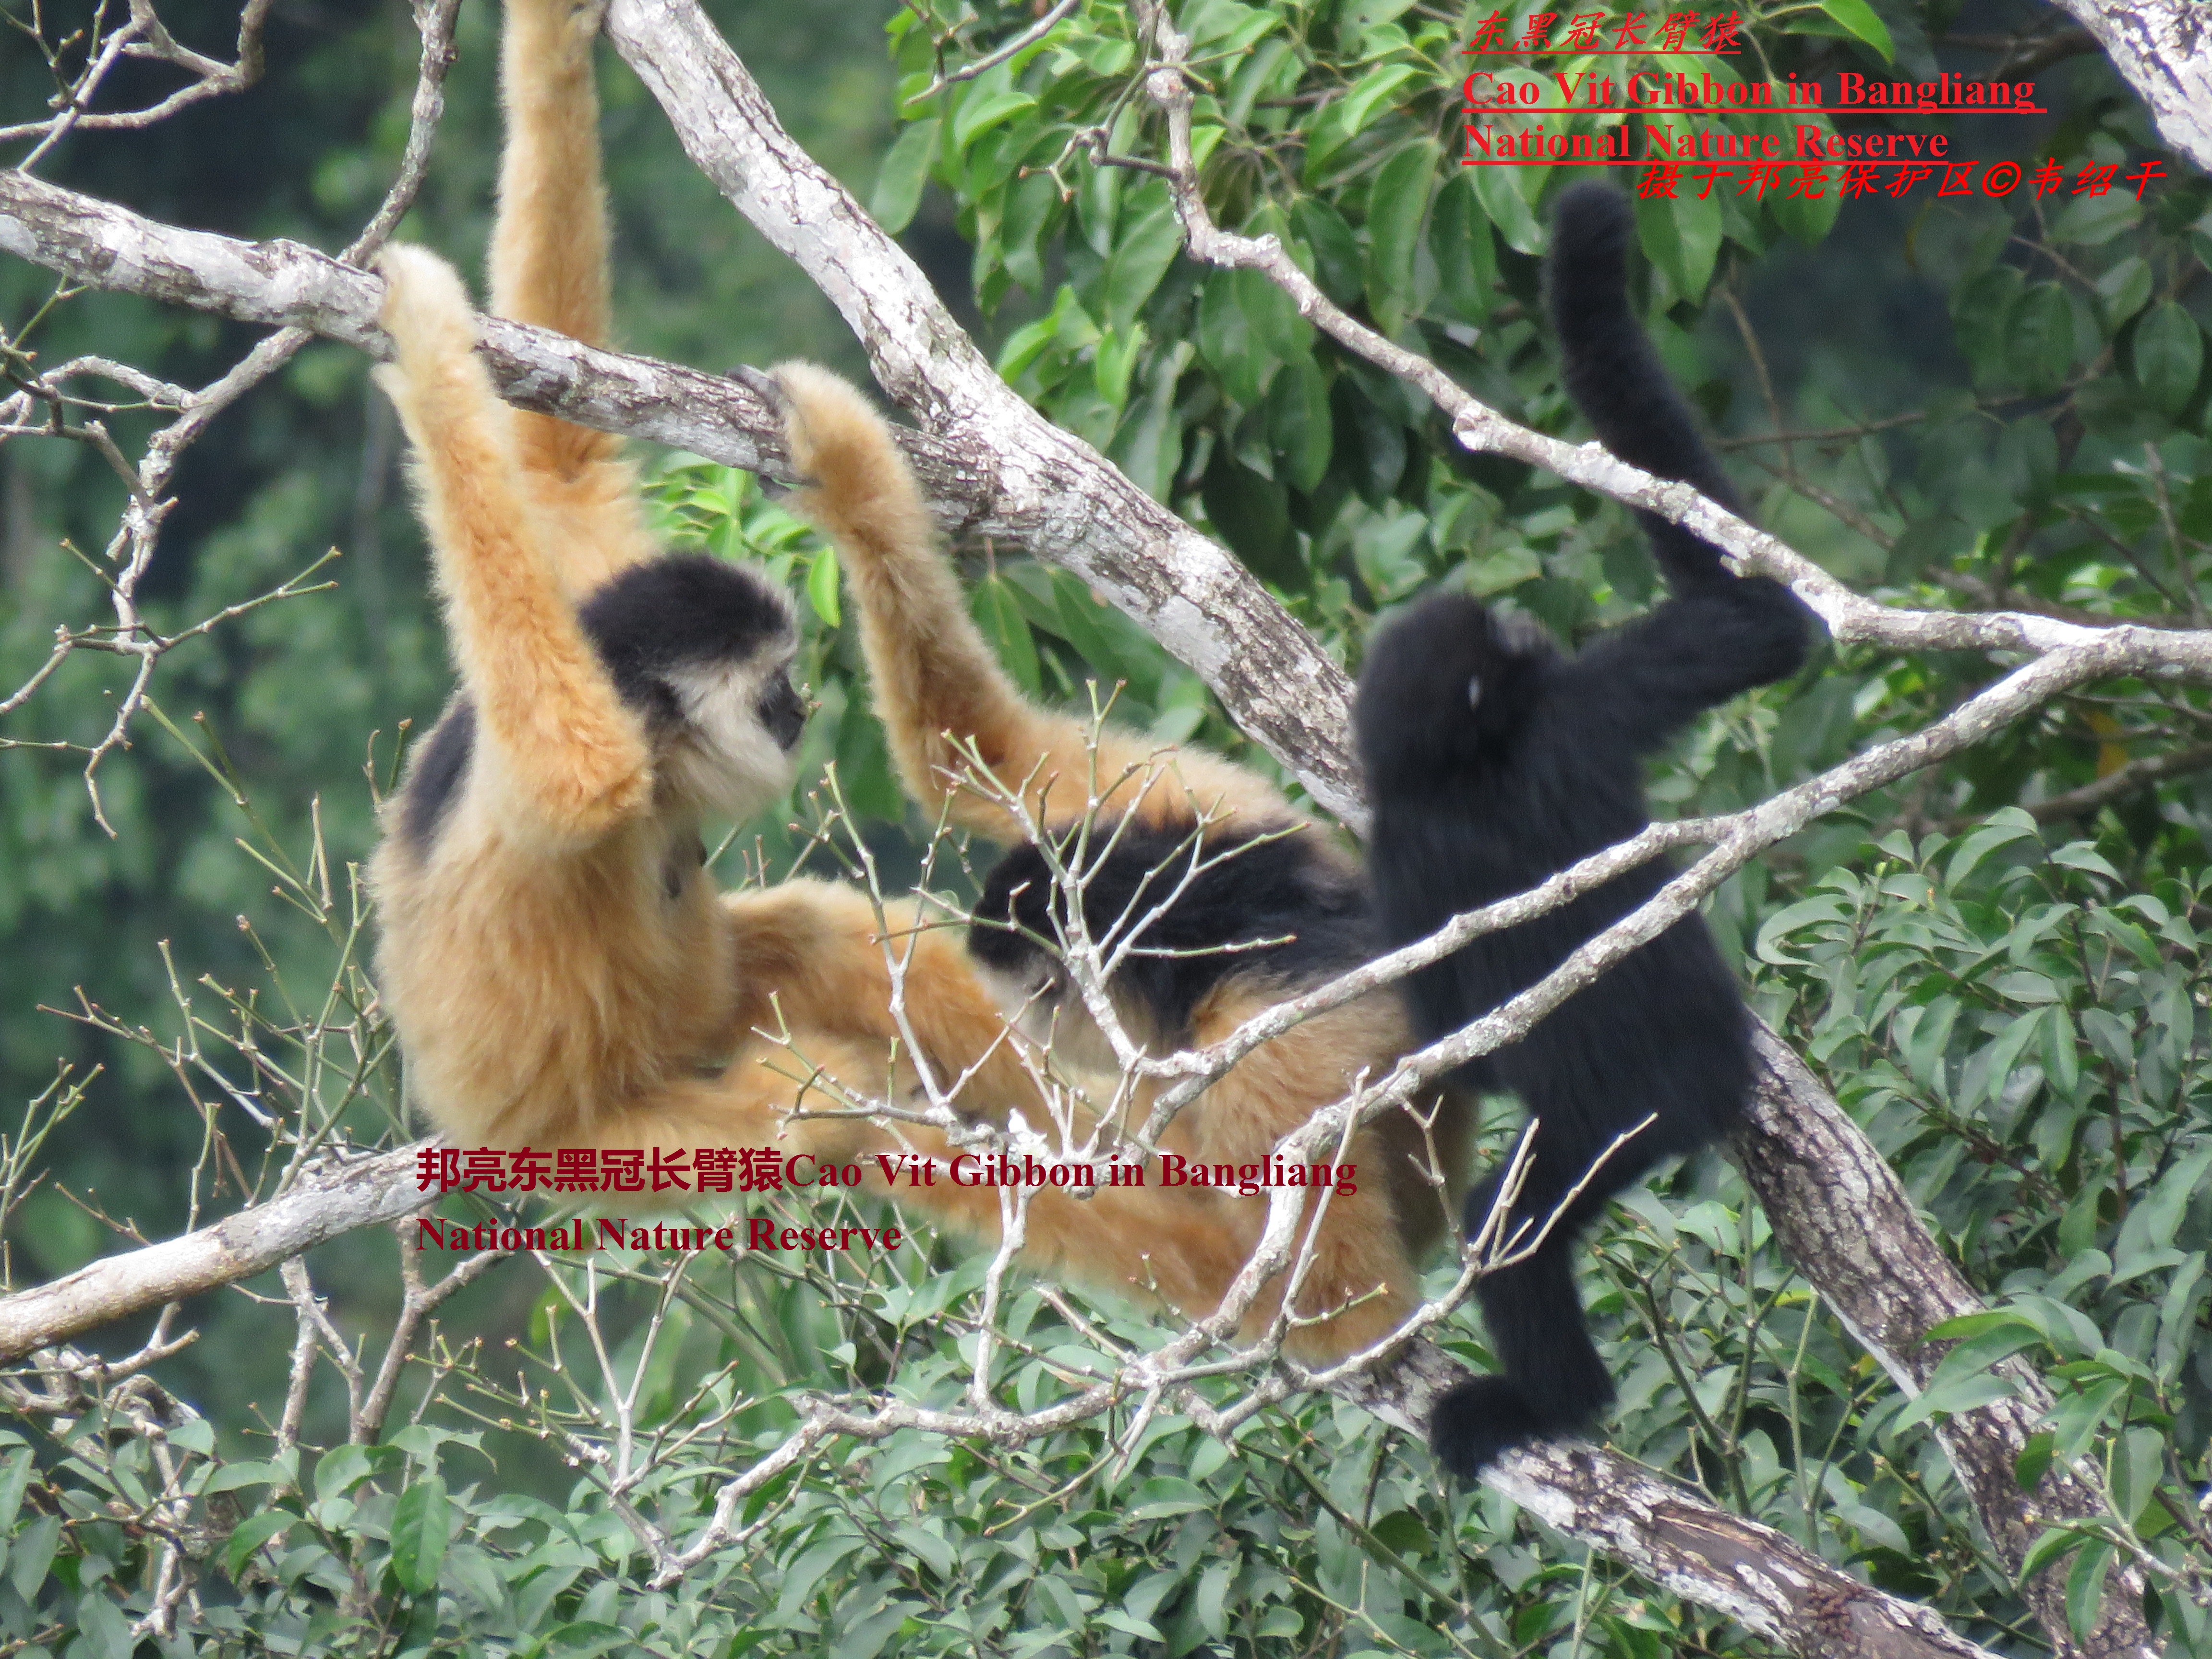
{"points": [[1999, 402]]}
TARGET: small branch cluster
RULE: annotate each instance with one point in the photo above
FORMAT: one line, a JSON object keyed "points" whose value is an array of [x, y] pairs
{"points": [[44, 402]]}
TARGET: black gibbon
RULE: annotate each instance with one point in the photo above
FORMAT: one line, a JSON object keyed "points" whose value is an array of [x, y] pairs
{"points": [[554, 958], [1495, 761], [1227, 899]]}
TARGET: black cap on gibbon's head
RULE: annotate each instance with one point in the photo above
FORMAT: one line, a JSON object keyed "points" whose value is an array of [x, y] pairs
{"points": [[683, 611]]}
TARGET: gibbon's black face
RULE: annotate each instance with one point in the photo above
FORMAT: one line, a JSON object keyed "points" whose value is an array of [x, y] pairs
{"points": [[1445, 685], [703, 649]]}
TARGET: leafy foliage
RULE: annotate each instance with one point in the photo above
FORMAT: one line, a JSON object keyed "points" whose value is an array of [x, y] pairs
{"points": [[2000, 968]]}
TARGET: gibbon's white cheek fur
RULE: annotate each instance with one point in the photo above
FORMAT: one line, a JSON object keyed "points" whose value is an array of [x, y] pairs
{"points": [[725, 761]]}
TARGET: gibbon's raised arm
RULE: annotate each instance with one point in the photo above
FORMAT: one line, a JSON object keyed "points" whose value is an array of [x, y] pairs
{"points": [[1226, 901], [548, 722], [1720, 635], [549, 267], [937, 687]]}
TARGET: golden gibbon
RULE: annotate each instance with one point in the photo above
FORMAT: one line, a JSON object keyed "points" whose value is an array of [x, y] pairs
{"points": [[1227, 899], [555, 961]]}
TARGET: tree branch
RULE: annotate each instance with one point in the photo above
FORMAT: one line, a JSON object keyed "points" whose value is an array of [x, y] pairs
{"points": [[2163, 49], [1071, 505], [1841, 1215], [329, 1200]]}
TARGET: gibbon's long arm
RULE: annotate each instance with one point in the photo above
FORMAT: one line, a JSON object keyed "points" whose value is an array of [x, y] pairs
{"points": [[549, 266], [1720, 635], [812, 956], [557, 737], [938, 688]]}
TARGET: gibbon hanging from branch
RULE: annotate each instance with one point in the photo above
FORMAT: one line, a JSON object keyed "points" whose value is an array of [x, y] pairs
{"points": [[554, 957], [1495, 760]]}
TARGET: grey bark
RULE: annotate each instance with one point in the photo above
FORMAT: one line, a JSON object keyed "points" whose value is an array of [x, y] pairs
{"points": [[2163, 49], [333, 1199], [1842, 1216]]}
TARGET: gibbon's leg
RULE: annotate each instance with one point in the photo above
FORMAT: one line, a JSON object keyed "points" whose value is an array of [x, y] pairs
{"points": [[549, 267], [557, 739], [1550, 1380], [938, 688], [812, 955], [1359, 1254], [1174, 1248]]}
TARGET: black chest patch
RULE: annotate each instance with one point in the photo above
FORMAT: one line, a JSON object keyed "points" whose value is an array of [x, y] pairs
{"points": [[676, 868], [436, 776]]}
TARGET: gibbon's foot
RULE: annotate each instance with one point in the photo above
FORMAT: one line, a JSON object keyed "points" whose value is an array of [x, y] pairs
{"points": [[425, 302], [1481, 1421]]}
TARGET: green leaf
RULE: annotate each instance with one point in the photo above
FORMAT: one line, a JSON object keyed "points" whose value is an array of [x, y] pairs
{"points": [[1164, 1495], [2085, 1586], [1225, 336], [2040, 347], [2076, 1420], [2062, 1057], [2033, 1461], [1338, 266], [1299, 423], [15, 1478], [1459, 242], [1682, 237], [2093, 221], [822, 587], [2153, 1222], [1861, 20], [1145, 251], [2169, 356], [2136, 1472], [106, 1632], [1251, 515], [422, 1526], [31, 1553], [1116, 360], [998, 612], [1029, 209], [2055, 1543], [904, 171], [232, 1476], [1507, 208], [2177, 1317], [586, 1639], [978, 115], [1961, 1393], [1211, 1603], [250, 1534], [1345, 118], [342, 1469], [1398, 203]]}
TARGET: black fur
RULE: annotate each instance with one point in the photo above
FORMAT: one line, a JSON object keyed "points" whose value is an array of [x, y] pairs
{"points": [[437, 774], [682, 611], [1495, 761], [1260, 905]]}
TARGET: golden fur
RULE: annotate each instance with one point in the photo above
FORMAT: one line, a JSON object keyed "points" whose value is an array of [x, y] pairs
{"points": [[943, 697], [547, 988]]}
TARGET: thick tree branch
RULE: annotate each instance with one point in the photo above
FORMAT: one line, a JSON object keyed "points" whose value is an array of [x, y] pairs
{"points": [[2163, 49], [1839, 1212], [1070, 505], [326, 1202]]}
